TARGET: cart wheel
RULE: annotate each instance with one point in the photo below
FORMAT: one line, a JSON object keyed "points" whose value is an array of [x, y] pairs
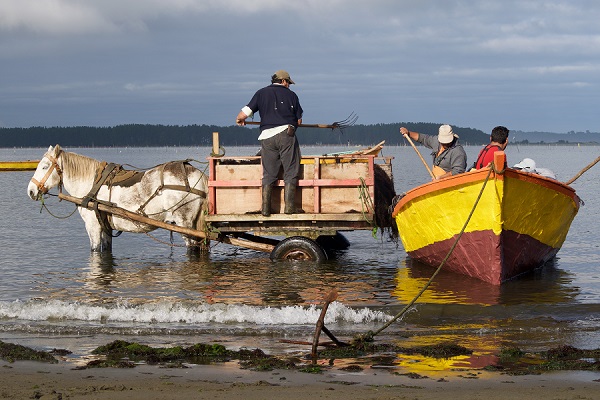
{"points": [[298, 248]]}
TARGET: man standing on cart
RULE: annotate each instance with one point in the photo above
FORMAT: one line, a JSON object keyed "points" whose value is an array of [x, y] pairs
{"points": [[280, 114]]}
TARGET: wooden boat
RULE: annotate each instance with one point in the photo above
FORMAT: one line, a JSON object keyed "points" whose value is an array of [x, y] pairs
{"points": [[29, 165], [369, 151], [519, 223]]}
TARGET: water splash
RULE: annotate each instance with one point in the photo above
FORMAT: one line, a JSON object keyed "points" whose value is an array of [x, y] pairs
{"points": [[175, 312]]}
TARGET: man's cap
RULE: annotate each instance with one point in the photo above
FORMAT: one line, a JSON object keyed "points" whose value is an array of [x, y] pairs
{"points": [[445, 134], [283, 74]]}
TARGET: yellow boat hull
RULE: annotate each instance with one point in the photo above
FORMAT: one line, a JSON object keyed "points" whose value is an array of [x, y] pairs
{"points": [[29, 165], [520, 222]]}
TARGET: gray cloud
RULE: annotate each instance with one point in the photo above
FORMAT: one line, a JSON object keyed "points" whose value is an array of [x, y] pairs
{"points": [[529, 65]]}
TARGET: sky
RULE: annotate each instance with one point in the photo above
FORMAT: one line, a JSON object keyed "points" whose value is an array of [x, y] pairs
{"points": [[529, 65]]}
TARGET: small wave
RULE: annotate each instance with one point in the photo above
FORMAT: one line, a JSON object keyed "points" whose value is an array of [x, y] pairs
{"points": [[170, 312]]}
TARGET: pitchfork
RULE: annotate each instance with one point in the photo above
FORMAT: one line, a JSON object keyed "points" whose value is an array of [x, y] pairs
{"points": [[341, 125]]}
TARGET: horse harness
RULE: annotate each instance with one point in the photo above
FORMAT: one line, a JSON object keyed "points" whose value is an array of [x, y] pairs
{"points": [[111, 174], [41, 185]]}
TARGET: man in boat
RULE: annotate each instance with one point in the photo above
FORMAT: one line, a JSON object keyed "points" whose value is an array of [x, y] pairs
{"points": [[280, 115], [449, 157], [498, 142]]}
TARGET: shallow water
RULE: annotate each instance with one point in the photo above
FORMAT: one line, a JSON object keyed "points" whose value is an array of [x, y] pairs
{"points": [[55, 293]]}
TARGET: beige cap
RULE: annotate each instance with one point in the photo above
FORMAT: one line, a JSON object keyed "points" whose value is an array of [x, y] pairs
{"points": [[445, 134], [282, 74]]}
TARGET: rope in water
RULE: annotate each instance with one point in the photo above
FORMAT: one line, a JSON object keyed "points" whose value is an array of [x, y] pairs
{"points": [[370, 335]]}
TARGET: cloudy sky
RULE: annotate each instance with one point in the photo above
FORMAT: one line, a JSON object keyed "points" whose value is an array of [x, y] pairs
{"points": [[529, 65]]}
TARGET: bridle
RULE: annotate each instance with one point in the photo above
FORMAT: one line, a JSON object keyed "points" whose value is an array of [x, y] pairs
{"points": [[41, 184]]}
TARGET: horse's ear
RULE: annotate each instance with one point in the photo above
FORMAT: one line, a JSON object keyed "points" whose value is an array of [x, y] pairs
{"points": [[49, 149], [57, 149]]}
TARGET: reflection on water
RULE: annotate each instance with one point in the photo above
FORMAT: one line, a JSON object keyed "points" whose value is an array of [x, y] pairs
{"points": [[145, 287], [547, 284], [251, 280], [430, 365], [101, 271]]}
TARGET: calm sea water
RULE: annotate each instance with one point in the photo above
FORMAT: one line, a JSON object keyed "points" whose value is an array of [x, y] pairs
{"points": [[55, 294]]}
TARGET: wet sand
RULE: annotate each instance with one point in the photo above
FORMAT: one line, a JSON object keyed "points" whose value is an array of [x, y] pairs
{"points": [[28, 379]]}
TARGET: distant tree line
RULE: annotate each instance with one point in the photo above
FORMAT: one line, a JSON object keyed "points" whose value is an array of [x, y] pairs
{"points": [[141, 135]]}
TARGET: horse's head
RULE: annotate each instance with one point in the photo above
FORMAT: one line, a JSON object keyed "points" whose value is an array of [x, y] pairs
{"points": [[47, 175]]}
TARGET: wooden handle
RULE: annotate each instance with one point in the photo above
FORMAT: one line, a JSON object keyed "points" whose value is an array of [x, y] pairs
{"points": [[300, 125], [121, 212], [420, 156], [590, 165]]}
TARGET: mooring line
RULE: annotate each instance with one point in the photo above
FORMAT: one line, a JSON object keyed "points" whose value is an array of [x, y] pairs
{"points": [[370, 335]]}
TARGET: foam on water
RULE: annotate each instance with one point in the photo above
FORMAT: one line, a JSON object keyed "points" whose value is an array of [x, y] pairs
{"points": [[169, 312]]}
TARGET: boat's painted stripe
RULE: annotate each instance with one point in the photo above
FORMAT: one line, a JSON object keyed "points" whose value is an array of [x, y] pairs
{"points": [[477, 254], [544, 210], [487, 256], [439, 215]]}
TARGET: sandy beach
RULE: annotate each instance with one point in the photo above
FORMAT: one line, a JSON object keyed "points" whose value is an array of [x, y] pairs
{"points": [[27, 379]]}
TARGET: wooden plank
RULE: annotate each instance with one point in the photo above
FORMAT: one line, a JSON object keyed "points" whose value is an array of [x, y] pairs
{"points": [[248, 244], [235, 188], [258, 218], [121, 212], [257, 183], [238, 172]]}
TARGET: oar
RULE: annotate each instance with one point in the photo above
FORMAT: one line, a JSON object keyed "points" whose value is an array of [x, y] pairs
{"points": [[341, 125], [407, 137], [590, 165]]}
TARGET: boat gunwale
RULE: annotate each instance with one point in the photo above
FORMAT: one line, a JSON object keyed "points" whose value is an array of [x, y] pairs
{"points": [[480, 175]]}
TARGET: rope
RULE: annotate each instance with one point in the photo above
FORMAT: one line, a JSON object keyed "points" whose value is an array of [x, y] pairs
{"points": [[45, 207], [221, 148], [367, 204], [171, 244], [370, 335]]}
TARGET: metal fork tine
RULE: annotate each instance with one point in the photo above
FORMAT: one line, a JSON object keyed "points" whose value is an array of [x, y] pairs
{"points": [[349, 121]]}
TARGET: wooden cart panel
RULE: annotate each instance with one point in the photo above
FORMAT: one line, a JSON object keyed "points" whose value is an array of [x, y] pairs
{"points": [[326, 185]]}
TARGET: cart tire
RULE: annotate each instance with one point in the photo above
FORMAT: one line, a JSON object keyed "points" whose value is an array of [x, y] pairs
{"points": [[298, 248]]}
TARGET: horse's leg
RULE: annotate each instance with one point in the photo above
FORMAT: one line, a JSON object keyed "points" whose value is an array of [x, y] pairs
{"points": [[106, 242], [196, 245], [188, 217], [94, 231]]}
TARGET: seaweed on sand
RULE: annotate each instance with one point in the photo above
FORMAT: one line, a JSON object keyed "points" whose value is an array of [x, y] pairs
{"points": [[13, 352]]}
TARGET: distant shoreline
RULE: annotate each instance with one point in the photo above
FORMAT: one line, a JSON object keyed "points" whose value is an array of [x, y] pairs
{"points": [[302, 145], [145, 135]]}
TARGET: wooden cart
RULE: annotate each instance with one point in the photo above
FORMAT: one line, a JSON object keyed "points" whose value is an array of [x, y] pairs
{"points": [[335, 192]]}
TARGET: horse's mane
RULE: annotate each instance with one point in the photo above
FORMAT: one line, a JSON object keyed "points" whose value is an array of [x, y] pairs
{"points": [[78, 166]]}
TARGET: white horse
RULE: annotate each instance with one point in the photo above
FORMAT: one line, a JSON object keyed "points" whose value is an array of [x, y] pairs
{"points": [[174, 192]]}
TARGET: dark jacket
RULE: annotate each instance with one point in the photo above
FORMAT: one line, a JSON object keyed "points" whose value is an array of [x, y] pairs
{"points": [[277, 105]]}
